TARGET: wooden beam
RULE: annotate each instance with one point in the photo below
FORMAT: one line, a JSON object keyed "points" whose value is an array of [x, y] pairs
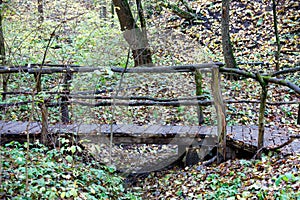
{"points": [[168, 69], [220, 110]]}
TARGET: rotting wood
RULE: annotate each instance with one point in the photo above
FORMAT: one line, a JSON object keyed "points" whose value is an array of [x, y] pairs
{"points": [[262, 108], [199, 91], [167, 69], [274, 148], [65, 118], [150, 134], [45, 70], [264, 77], [168, 102], [220, 110]]}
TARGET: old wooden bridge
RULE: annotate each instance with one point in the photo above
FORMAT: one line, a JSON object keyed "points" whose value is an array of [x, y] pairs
{"points": [[242, 138]]}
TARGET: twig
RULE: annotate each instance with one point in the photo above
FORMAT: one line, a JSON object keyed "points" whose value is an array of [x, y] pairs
{"points": [[286, 71], [275, 148], [210, 161]]}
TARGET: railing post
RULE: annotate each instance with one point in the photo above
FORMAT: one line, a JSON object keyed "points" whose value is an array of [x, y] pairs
{"points": [[43, 108], [199, 92], [220, 110], [5, 79], [65, 118], [262, 108]]}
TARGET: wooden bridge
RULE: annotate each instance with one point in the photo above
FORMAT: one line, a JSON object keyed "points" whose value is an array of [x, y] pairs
{"points": [[242, 138]]}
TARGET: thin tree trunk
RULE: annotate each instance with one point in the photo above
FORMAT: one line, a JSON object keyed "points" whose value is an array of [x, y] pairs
{"points": [[134, 36], [5, 77], [112, 14], [103, 10], [277, 53], [43, 110], [40, 11], [262, 109], [298, 119], [141, 14], [199, 92], [65, 118], [226, 43]]}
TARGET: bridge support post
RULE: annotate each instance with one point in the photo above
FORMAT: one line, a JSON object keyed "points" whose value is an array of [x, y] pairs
{"points": [[220, 110], [199, 92], [65, 118], [43, 108]]}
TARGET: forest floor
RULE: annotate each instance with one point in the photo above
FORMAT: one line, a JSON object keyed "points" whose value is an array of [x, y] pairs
{"points": [[253, 39]]}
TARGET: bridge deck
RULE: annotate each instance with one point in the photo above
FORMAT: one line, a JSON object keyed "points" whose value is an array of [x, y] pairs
{"points": [[240, 136]]}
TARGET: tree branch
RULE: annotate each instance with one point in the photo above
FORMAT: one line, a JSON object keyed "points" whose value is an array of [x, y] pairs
{"points": [[275, 148], [178, 11], [286, 71], [264, 78]]}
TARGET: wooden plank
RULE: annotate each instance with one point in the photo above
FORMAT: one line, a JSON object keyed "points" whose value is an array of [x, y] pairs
{"points": [[6, 125], [271, 138], [35, 128], [9, 127], [140, 130], [110, 128], [237, 132], [152, 134], [208, 141], [165, 131], [175, 129], [247, 133], [18, 128], [204, 130], [194, 130], [214, 131], [106, 128], [183, 131], [152, 129], [123, 130]]}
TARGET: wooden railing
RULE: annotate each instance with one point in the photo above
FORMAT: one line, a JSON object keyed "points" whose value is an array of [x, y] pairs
{"points": [[68, 98]]}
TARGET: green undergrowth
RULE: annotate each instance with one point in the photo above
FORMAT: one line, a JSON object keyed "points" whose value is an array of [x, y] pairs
{"points": [[43, 173]]}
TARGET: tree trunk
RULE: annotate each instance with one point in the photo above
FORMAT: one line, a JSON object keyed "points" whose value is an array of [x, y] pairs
{"points": [[226, 44], [135, 37], [65, 118], [43, 108], [40, 11], [277, 52], [188, 15], [5, 77], [199, 92], [262, 109], [298, 119]]}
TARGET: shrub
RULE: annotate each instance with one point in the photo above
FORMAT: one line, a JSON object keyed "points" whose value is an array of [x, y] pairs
{"points": [[43, 173]]}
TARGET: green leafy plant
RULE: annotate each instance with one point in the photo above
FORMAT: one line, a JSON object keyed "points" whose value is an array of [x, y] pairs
{"points": [[46, 173]]}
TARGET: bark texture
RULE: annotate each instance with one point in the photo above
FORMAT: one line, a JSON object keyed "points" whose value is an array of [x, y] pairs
{"points": [[5, 77], [136, 37], [41, 10], [226, 44]]}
